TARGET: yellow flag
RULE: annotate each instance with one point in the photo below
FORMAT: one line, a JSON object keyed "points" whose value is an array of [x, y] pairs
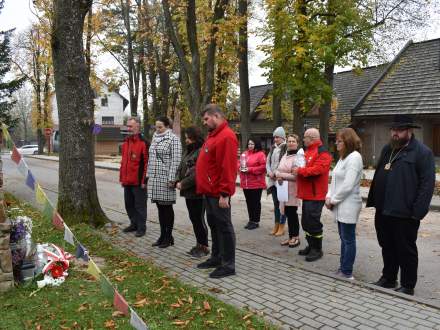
{"points": [[40, 196], [93, 270]]}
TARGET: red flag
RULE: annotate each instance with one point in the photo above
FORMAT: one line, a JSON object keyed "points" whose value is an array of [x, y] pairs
{"points": [[15, 156], [57, 221], [120, 304]]}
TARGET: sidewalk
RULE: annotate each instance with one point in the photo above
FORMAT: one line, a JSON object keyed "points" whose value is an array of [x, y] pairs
{"points": [[368, 174], [288, 296]]}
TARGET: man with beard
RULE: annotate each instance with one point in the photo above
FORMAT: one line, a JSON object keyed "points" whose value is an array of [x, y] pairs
{"points": [[216, 172], [401, 192]]}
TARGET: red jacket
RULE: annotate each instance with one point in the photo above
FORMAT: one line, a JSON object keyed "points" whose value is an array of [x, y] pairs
{"points": [[134, 161], [312, 179], [255, 177], [216, 167]]}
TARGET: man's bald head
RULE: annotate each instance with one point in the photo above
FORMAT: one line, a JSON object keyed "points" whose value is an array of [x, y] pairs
{"points": [[310, 136]]}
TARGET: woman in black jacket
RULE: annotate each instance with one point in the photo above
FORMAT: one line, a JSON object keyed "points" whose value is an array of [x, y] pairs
{"points": [[186, 183]]}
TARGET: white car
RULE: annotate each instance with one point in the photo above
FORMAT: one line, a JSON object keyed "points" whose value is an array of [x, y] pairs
{"points": [[29, 149]]}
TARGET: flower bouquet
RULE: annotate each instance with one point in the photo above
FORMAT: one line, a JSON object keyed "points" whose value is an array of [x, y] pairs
{"points": [[54, 262], [21, 245]]}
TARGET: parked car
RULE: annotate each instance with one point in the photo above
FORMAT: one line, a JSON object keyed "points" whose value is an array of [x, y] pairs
{"points": [[29, 149]]}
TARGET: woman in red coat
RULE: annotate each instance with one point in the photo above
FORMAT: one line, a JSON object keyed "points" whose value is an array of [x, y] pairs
{"points": [[252, 169]]}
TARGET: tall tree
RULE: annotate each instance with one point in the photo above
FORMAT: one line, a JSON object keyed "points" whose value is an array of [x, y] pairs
{"points": [[197, 77], [78, 198], [243, 69], [7, 86], [23, 110]]}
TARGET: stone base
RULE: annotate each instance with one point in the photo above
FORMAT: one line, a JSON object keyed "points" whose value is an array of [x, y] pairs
{"points": [[5, 286]]}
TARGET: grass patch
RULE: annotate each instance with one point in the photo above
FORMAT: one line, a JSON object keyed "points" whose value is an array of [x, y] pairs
{"points": [[162, 301]]}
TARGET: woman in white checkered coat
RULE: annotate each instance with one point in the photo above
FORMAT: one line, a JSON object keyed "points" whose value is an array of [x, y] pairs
{"points": [[164, 158]]}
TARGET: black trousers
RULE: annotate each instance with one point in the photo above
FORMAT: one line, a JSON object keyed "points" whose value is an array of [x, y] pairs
{"points": [[135, 199], [222, 232], [292, 220], [397, 237], [196, 211], [253, 202], [166, 221], [311, 218]]}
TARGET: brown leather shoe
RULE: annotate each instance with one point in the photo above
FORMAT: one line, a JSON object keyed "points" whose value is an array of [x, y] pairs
{"points": [[275, 228], [281, 230]]}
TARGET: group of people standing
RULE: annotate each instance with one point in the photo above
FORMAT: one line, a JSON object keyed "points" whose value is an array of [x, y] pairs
{"points": [[295, 177]]}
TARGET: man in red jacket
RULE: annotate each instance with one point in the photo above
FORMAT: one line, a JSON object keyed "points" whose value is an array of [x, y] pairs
{"points": [[132, 175], [216, 172], [312, 182]]}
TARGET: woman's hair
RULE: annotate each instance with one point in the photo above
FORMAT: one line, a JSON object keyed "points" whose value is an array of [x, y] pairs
{"points": [[296, 137], [165, 120], [194, 133], [257, 143], [351, 140]]}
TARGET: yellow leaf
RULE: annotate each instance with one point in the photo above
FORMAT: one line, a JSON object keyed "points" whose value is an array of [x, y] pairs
{"points": [[190, 299], [117, 314], [180, 323], [109, 324], [247, 316], [141, 303], [175, 305]]}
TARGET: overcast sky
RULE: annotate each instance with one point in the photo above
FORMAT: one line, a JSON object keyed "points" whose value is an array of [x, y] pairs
{"points": [[17, 14]]}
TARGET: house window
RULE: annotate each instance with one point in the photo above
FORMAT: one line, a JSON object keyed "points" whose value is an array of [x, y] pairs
{"points": [[108, 120], [104, 101]]}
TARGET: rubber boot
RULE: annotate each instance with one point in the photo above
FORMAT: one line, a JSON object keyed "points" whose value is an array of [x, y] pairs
{"points": [[307, 249], [281, 230], [316, 250], [275, 228]]}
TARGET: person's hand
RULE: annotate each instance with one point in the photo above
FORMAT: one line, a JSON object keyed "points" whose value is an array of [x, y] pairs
{"points": [[328, 203], [143, 185], [178, 185], [271, 175], [280, 180], [223, 202], [295, 170]]}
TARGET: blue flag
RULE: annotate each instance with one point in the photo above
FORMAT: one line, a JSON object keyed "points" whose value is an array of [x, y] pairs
{"points": [[30, 181], [82, 253]]}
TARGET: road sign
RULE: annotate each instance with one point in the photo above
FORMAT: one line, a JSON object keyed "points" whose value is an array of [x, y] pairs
{"points": [[48, 131]]}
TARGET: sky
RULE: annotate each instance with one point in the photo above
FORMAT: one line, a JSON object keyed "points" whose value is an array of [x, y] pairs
{"points": [[17, 14]]}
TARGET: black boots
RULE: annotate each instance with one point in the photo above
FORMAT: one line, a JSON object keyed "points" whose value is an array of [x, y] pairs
{"points": [[385, 283], [313, 251]]}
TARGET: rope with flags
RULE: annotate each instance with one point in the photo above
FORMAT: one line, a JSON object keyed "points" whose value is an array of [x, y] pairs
{"points": [[51, 214]]}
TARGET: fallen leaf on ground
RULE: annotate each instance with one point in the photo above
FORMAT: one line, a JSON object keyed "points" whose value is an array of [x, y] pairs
{"points": [[117, 314], [247, 316], [180, 323], [206, 306], [175, 305], [215, 290], [109, 324], [141, 303], [190, 299]]}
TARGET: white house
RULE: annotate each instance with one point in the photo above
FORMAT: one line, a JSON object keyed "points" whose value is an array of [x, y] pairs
{"points": [[109, 113]]}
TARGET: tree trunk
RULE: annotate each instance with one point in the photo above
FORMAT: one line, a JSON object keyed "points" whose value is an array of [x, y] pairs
{"points": [[89, 40], [243, 72], [324, 111], [78, 199], [298, 118], [276, 106]]}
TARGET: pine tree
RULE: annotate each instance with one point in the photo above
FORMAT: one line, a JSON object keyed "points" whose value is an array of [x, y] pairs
{"points": [[7, 86]]}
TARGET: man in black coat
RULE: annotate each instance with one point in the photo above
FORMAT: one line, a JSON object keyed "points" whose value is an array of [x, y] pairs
{"points": [[401, 192]]}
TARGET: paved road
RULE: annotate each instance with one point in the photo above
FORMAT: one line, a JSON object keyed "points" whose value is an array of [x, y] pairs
{"points": [[257, 247]]}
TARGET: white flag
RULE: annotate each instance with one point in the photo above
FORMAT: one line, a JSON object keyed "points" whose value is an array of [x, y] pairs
{"points": [[68, 236], [137, 322], [22, 167]]}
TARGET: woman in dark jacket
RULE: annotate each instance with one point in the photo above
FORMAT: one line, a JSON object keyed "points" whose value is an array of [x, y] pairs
{"points": [[186, 183]]}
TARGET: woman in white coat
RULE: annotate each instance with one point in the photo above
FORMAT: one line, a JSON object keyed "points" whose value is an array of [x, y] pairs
{"points": [[344, 198]]}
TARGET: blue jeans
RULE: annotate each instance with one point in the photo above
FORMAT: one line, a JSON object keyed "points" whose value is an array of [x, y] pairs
{"points": [[279, 218], [347, 233]]}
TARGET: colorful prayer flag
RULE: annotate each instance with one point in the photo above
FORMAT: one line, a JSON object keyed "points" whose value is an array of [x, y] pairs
{"points": [[15, 156], [136, 321], [68, 236], [48, 210], [40, 196], [22, 167], [81, 252], [93, 270], [120, 304], [107, 288], [30, 181], [57, 221]]}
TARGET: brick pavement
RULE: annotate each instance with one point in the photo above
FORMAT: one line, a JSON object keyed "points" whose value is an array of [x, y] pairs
{"points": [[288, 296]]}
